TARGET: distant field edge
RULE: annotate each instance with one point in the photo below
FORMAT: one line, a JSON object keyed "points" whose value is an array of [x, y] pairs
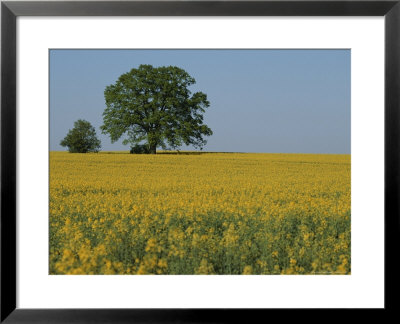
{"points": [[204, 152]]}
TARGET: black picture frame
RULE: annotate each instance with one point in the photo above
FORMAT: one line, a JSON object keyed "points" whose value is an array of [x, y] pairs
{"points": [[10, 10]]}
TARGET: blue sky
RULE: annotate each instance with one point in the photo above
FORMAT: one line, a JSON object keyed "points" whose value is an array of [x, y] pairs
{"points": [[277, 101]]}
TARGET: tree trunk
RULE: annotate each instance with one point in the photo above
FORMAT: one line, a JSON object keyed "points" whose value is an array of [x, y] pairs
{"points": [[153, 148], [152, 142]]}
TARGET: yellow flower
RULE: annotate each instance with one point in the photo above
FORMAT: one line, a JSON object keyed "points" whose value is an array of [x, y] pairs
{"points": [[247, 270]]}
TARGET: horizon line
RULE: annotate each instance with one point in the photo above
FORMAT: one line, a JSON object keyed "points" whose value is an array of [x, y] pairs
{"points": [[194, 151]]}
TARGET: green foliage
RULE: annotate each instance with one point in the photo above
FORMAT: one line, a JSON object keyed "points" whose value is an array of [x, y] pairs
{"points": [[82, 138], [154, 105], [140, 149]]}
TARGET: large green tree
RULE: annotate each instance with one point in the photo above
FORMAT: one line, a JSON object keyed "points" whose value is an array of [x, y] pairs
{"points": [[154, 106], [82, 138]]}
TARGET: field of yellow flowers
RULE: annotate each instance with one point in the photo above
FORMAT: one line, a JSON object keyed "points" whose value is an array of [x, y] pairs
{"points": [[210, 213]]}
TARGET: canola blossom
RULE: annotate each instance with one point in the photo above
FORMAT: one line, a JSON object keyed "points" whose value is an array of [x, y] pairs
{"points": [[209, 213]]}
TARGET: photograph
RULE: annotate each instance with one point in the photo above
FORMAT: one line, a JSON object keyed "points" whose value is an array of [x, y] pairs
{"points": [[199, 161]]}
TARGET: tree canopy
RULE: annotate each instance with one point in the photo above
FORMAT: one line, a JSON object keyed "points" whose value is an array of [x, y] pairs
{"points": [[82, 138], [153, 105]]}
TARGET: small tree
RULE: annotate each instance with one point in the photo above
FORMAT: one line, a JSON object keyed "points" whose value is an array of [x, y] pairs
{"points": [[154, 105], [82, 138]]}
